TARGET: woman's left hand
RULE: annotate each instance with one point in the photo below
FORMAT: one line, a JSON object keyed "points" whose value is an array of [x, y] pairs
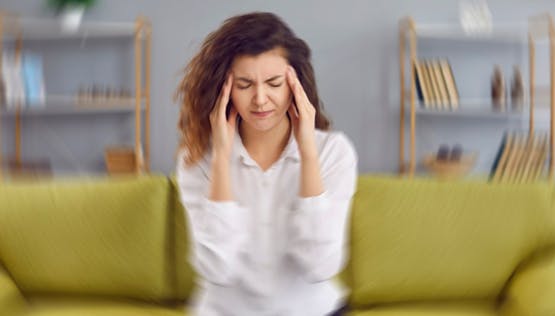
{"points": [[302, 114]]}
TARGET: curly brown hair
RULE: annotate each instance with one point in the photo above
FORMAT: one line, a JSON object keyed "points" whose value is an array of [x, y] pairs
{"points": [[249, 34]]}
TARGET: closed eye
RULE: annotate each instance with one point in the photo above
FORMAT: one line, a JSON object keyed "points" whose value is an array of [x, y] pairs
{"points": [[275, 85], [243, 87]]}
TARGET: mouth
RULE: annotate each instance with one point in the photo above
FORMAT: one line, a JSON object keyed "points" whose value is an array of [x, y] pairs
{"points": [[262, 114]]}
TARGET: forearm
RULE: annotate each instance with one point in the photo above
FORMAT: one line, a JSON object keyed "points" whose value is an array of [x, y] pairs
{"points": [[220, 184], [311, 179]]}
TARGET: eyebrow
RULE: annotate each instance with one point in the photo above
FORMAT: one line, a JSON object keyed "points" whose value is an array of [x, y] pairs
{"points": [[247, 80]]}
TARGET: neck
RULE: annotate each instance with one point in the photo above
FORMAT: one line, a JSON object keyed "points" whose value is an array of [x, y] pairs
{"points": [[265, 147]]}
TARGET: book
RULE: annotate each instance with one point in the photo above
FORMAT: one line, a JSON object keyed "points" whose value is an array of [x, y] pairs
{"points": [[541, 161], [436, 99], [501, 153], [452, 91], [13, 80], [427, 85], [421, 88], [443, 98], [524, 156], [501, 164], [33, 79]]}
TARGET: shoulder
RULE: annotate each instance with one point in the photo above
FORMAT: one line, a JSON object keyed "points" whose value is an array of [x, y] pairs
{"points": [[199, 170], [335, 147]]}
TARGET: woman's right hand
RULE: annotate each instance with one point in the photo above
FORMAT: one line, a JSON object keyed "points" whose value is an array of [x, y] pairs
{"points": [[223, 128]]}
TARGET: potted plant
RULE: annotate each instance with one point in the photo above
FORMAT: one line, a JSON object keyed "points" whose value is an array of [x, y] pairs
{"points": [[71, 12]]}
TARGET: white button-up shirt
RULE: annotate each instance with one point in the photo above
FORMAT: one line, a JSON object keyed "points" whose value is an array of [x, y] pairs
{"points": [[270, 251]]}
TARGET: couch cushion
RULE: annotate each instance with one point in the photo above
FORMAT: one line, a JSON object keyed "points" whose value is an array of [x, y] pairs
{"points": [[185, 275], [432, 309], [424, 239], [100, 236], [88, 306]]}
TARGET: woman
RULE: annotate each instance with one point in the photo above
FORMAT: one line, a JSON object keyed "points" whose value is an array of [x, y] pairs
{"points": [[266, 186]]}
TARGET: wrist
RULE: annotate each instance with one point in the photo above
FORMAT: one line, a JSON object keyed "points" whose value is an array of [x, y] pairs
{"points": [[220, 160], [308, 152]]}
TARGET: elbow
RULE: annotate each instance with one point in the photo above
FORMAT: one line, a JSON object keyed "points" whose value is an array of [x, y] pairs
{"points": [[320, 266], [216, 268]]}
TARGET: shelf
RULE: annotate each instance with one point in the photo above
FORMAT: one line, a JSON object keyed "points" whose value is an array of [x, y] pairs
{"points": [[66, 105], [515, 32], [473, 112], [468, 108], [50, 29]]}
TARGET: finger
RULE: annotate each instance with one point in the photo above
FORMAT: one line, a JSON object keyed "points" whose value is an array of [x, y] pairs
{"points": [[232, 114], [300, 94], [293, 113], [225, 93], [232, 120], [294, 85]]}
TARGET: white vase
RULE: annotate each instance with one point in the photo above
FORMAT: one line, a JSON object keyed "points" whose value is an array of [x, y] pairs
{"points": [[70, 18]]}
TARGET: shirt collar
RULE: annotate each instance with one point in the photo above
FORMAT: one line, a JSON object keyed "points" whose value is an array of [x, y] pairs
{"points": [[290, 151]]}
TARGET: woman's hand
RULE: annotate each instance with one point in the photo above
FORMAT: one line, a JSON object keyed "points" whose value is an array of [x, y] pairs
{"points": [[302, 114], [223, 129]]}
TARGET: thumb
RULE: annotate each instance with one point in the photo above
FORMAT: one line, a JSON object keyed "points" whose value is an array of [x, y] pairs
{"points": [[232, 120], [293, 114]]}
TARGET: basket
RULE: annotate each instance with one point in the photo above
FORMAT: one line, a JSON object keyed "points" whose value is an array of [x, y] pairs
{"points": [[120, 160], [450, 169]]}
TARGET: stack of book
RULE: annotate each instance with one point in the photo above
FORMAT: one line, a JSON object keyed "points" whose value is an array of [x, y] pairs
{"points": [[521, 158], [435, 84], [21, 80]]}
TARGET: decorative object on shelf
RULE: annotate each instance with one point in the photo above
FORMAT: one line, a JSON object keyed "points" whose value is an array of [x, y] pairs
{"points": [[443, 153], [450, 163], [498, 89], [71, 12], [120, 160], [456, 153], [103, 95], [522, 157], [517, 90], [475, 17]]}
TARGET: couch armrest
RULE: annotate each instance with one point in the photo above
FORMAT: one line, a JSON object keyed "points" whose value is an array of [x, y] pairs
{"points": [[12, 301], [532, 289]]}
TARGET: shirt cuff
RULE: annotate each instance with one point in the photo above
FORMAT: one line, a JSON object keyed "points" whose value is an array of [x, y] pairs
{"points": [[318, 203]]}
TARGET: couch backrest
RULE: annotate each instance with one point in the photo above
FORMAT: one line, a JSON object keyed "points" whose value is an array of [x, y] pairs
{"points": [[114, 237], [428, 240]]}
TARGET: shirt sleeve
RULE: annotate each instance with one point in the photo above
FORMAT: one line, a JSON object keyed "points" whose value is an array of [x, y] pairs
{"points": [[217, 228], [318, 224]]}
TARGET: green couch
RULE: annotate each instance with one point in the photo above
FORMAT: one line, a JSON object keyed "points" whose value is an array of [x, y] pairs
{"points": [[418, 247]]}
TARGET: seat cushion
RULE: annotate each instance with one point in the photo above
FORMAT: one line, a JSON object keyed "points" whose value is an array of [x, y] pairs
{"points": [[89, 236], [58, 306], [422, 239], [431, 309]]}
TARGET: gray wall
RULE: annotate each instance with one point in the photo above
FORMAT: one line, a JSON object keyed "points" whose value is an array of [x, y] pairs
{"points": [[355, 55]]}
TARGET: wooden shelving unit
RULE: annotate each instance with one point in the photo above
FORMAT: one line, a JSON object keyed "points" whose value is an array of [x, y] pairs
{"points": [[538, 28], [22, 29]]}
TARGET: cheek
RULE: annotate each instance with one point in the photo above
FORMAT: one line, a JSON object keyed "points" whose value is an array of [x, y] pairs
{"points": [[239, 100], [282, 97]]}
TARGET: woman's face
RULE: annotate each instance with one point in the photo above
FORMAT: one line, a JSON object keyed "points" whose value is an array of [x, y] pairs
{"points": [[260, 92]]}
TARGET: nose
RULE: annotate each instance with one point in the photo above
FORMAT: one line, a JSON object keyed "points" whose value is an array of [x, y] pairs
{"points": [[260, 97]]}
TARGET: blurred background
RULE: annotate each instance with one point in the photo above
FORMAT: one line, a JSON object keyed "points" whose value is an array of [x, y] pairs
{"points": [[355, 46]]}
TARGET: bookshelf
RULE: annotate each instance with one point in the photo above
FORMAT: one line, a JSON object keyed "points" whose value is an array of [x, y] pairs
{"points": [[539, 29], [17, 30]]}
